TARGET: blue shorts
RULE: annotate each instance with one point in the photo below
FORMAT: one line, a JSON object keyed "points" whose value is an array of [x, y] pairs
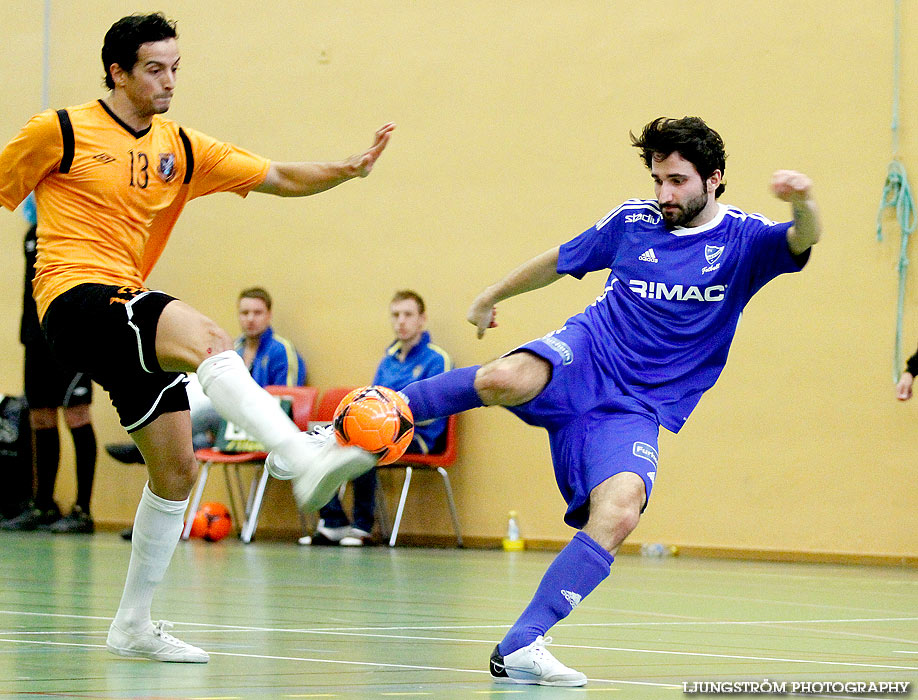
{"points": [[595, 430]]}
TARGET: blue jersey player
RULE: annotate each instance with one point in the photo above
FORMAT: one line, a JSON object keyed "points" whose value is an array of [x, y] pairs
{"points": [[682, 267]]}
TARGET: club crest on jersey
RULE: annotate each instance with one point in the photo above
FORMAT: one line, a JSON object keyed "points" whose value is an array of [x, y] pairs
{"points": [[712, 253], [166, 169]]}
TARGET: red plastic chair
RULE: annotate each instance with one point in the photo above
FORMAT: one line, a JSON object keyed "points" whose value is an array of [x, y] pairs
{"points": [[303, 401], [439, 461], [325, 407]]}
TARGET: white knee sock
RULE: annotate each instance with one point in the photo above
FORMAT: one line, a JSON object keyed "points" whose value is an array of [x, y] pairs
{"points": [[157, 528], [238, 398]]}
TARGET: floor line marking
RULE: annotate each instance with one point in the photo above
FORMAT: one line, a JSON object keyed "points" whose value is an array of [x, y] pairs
{"points": [[663, 652], [252, 628], [412, 667]]}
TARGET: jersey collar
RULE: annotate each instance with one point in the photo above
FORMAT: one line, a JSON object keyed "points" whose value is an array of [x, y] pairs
{"points": [[135, 134], [693, 230]]}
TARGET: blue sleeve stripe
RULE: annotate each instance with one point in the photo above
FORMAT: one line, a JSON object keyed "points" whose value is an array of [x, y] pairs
{"points": [[293, 364], [629, 204], [447, 361]]}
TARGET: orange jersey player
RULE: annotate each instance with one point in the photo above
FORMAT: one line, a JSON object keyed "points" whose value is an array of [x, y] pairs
{"points": [[111, 178]]}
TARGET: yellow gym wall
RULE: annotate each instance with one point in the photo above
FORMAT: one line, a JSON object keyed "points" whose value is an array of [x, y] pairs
{"points": [[512, 137]]}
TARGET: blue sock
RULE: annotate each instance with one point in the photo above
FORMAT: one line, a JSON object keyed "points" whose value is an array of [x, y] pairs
{"points": [[443, 395], [576, 571]]}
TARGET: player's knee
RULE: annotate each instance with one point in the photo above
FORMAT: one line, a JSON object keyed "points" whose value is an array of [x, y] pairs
{"points": [[615, 509], [186, 474], [609, 526], [509, 381], [216, 341], [175, 480], [185, 338]]}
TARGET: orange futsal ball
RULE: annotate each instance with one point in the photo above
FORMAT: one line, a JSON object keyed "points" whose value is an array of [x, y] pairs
{"points": [[376, 419], [212, 522]]}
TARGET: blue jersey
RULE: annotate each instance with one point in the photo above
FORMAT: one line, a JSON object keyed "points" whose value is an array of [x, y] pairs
{"points": [[664, 323]]}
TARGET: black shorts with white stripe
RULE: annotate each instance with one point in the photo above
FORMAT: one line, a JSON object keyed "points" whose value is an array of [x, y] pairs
{"points": [[109, 332]]}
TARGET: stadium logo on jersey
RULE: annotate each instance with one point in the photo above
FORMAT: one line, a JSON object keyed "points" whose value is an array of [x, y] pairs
{"points": [[166, 169], [645, 451], [648, 256], [572, 598], [677, 292], [649, 218]]}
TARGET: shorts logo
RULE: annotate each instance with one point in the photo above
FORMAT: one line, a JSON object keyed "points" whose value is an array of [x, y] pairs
{"points": [[126, 294], [645, 451], [560, 347], [166, 169]]}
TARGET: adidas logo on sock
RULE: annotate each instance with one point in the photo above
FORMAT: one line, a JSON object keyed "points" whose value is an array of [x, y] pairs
{"points": [[571, 598], [648, 256]]}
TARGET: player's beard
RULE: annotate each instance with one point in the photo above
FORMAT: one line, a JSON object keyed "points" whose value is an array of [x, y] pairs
{"points": [[685, 213]]}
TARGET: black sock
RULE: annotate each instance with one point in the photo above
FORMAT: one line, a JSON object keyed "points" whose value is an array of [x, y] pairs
{"points": [[84, 445], [47, 458]]}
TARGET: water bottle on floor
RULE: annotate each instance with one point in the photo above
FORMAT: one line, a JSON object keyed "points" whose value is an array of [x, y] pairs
{"points": [[513, 542], [655, 550]]}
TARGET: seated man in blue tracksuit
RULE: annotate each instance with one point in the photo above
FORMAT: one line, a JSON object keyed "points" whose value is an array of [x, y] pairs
{"points": [[410, 357], [271, 360]]}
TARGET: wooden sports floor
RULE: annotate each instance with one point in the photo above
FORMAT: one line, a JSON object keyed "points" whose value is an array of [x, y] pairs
{"points": [[283, 621]]}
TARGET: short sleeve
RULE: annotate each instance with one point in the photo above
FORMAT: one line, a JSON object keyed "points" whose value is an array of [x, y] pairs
{"points": [[223, 167], [594, 249], [29, 157], [768, 245]]}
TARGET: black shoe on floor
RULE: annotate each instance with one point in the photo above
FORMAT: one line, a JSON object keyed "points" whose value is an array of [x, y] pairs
{"points": [[127, 533], [79, 521], [125, 452], [31, 519]]}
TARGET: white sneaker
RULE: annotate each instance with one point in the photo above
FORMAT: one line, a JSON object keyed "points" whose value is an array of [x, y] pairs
{"points": [[321, 465], [355, 537], [533, 665], [325, 535], [154, 643]]}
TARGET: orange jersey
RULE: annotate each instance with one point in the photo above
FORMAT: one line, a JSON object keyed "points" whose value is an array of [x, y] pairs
{"points": [[108, 197]]}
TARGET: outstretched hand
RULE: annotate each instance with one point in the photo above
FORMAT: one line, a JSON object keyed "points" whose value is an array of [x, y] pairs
{"points": [[791, 186], [362, 164], [904, 386], [482, 314]]}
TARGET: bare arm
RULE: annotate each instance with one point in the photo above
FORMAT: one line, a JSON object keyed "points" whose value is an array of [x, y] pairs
{"points": [[302, 179], [538, 272], [795, 188]]}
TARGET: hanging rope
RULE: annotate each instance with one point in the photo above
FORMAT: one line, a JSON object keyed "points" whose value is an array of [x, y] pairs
{"points": [[897, 194]]}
